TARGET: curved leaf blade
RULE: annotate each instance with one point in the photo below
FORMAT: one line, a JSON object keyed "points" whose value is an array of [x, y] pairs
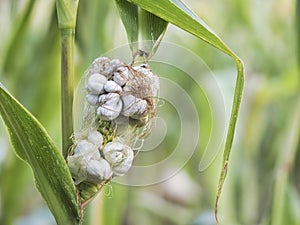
{"points": [[152, 30], [141, 25], [177, 13], [33, 145], [129, 16]]}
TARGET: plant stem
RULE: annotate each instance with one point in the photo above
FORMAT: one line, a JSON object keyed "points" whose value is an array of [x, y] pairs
{"points": [[67, 75]]}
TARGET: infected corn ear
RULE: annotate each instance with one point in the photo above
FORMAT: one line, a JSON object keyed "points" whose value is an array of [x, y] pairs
{"points": [[120, 105]]}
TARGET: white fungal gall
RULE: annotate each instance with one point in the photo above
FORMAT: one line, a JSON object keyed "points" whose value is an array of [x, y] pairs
{"points": [[97, 65], [116, 157], [108, 68], [98, 170], [95, 137], [83, 147], [134, 107], [112, 86], [155, 85], [140, 110], [92, 99], [128, 100], [84, 152], [110, 149], [95, 83], [122, 168], [122, 75], [109, 112], [87, 155], [111, 106], [119, 156], [113, 97], [115, 63], [119, 79], [152, 79], [77, 166], [143, 68], [105, 66]]}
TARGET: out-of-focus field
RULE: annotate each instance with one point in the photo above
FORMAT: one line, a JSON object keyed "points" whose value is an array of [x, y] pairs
{"points": [[263, 182]]}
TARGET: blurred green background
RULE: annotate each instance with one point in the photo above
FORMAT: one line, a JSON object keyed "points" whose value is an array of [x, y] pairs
{"points": [[263, 183]]}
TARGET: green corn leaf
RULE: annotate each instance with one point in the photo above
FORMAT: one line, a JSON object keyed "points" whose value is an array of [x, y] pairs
{"points": [[67, 13], [19, 29], [33, 145], [129, 16], [139, 21], [177, 13], [152, 30]]}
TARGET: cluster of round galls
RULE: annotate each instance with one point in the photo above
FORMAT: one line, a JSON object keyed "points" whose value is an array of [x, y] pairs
{"points": [[114, 91], [94, 162], [117, 89]]}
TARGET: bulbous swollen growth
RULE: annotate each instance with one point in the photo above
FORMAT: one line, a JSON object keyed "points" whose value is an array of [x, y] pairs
{"points": [[119, 108]]}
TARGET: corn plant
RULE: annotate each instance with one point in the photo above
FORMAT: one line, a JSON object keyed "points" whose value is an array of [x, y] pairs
{"points": [[58, 174]]}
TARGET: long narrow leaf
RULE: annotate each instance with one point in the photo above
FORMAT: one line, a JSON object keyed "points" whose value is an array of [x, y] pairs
{"points": [[67, 13], [286, 157], [141, 25], [152, 30], [33, 145], [19, 29], [177, 13], [129, 16]]}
